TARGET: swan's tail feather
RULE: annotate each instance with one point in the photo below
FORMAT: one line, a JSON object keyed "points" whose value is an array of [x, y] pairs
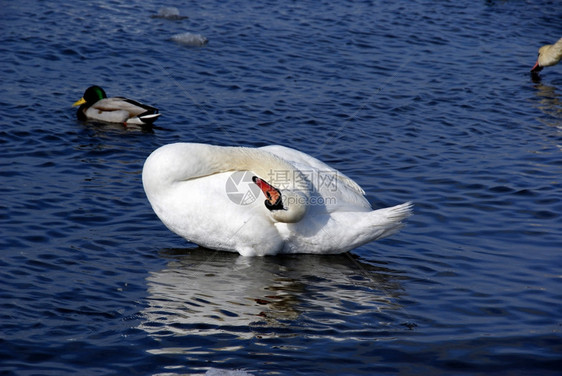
{"points": [[389, 220]]}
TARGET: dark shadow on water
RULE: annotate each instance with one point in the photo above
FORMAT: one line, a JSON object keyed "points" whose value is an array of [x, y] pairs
{"points": [[535, 77]]}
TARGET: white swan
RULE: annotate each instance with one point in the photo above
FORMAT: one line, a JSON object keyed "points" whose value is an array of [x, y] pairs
{"points": [[549, 55], [208, 195]]}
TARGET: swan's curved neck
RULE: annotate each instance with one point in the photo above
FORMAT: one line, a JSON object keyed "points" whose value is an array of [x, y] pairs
{"points": [[185, 161], [174, 164]]}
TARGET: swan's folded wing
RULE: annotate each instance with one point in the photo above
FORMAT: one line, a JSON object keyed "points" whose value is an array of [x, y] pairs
{"points": [[343, 186]]}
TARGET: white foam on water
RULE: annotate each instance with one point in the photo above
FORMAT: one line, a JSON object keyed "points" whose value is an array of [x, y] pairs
{"points": [[190, 39]]}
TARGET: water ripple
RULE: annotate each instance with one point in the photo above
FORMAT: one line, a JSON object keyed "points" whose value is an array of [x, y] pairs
{"points": [[424, 102]]}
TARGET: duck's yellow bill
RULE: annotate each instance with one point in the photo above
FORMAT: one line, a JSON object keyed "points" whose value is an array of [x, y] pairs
{"points": [[79, 102]]}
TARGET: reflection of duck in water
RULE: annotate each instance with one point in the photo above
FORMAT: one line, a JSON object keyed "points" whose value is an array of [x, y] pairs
{"points": [[549, 55], [205, 293]]}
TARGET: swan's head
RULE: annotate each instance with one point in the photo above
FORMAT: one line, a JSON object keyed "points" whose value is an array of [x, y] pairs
{"points": [[549, 55], [285, 205], [539, 65]]}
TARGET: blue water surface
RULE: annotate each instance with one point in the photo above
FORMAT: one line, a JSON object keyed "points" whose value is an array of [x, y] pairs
{"points": [[424, 101]]}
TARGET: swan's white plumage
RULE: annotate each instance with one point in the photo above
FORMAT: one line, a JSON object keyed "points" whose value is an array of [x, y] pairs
{"points": [[330, 182], [186, 186]]}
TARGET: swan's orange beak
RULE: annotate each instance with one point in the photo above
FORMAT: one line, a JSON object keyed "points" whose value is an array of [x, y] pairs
{"points": [[536, 68], [271, 193]]}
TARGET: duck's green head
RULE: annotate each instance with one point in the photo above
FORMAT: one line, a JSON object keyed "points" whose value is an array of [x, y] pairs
{"points": [[91, 96]]}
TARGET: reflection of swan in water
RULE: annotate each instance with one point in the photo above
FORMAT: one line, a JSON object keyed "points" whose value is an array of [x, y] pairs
{"points": [[549, 102], [205, 293]]}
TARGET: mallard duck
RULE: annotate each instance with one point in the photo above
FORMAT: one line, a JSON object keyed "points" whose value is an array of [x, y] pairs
{"points": [[549, 55], [95, 105]]}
